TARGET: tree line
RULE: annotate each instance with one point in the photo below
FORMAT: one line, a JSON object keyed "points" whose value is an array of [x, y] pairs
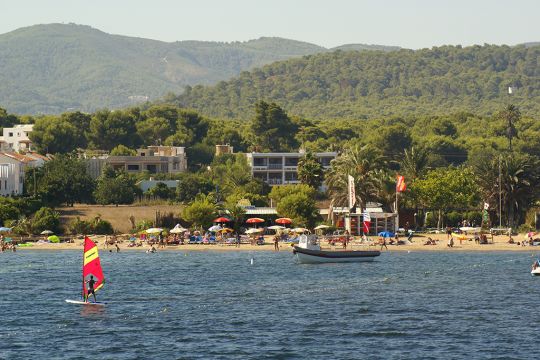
{"points": [[450, 162]]}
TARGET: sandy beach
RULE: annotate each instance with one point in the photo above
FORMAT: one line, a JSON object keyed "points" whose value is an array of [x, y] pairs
{"points": [[500, 243]]}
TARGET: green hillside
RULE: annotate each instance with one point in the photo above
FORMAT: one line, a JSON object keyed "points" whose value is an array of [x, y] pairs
{"points": [[359, 85], [56, 67]]}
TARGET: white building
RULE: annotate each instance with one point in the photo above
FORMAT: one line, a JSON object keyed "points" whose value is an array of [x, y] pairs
{"points": [[16, 138], [154, 159], [12, 168], [282, 168]]}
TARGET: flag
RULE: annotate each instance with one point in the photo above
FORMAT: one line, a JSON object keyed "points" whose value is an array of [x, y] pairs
{"points": [[400, 185], [486, 206], [351, 192], [367, 222]]}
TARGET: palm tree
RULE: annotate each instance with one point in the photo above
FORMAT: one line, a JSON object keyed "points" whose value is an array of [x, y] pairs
{"points": [[414, 163], [520, 184], [510, 115], [310, 171], [362, 164]]}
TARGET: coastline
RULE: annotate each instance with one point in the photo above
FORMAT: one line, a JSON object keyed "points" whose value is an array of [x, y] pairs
{"points": [[500, 244]]}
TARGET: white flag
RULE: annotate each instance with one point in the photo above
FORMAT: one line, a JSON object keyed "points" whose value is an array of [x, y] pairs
{"points": [[367, 216], [352, 192]]}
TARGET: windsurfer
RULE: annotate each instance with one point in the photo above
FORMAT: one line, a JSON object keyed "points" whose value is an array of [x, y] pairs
{"points": [[91, 290]]}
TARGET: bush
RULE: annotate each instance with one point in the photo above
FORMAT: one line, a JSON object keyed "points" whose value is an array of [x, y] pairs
{"points": [[8, 211], [97, 226], [78, 226], [452, 218], [143, 225], [525, 228], [46, 219], [102, 227]]}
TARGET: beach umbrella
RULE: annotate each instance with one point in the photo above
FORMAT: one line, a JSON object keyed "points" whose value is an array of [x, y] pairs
{"points": [[45, 232], [299, 230], [322, 226], [54, 239], [5, 229], [276, 227], [215, 228], [386, 234], [225, 230], [221, 220], [154, 230], [254, 221], [284, 221], [253, 231], [177, 229]]}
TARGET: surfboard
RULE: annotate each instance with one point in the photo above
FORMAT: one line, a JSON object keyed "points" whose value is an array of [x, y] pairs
{"points": [[80, 302]]}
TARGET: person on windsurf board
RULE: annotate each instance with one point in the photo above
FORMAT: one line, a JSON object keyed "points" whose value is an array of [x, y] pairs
{"points": [[90, 289]]}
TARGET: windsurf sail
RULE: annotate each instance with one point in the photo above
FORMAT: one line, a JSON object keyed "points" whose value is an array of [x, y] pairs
{"points": [[91, 266]]}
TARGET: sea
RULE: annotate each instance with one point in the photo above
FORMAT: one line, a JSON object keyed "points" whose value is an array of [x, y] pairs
{"points": [[264, 305]]}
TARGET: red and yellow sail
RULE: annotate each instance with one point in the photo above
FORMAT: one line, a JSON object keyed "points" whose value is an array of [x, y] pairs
{"points": [[91, 266]]}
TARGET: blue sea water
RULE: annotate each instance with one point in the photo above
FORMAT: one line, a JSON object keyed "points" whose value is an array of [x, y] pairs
{"points": [[216, 305]]}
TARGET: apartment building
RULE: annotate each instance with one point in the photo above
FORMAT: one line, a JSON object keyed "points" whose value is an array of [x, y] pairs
{"points": [[282, 168], [16, 138], [12, 168], [153, 159]]}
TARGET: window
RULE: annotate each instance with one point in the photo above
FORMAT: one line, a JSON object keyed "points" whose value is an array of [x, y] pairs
{"points": [[291, 161], [133, 167], [259, 161], [10, 134], [151, 168], [291, 176]]}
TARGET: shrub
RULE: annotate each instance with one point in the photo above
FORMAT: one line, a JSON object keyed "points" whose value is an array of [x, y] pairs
{"points": [[97, 226], [78, 226], [102, 227], [46, 219]]}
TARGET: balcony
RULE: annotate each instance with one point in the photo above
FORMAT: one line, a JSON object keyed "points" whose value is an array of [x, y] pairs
{"points": [[275, 166], [274, 182]]}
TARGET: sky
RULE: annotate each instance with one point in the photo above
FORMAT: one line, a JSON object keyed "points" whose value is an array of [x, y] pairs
{"points": [[407, 23]]}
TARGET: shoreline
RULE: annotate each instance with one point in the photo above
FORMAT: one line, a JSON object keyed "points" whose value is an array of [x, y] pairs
{"points": [[500, 244]]}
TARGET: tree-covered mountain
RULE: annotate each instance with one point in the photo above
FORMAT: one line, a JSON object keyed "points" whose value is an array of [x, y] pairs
{"points": [[57, 67], [359, 85]]}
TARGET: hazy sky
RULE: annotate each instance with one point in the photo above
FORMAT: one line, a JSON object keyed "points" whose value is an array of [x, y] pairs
{"points": [[407, 23]]}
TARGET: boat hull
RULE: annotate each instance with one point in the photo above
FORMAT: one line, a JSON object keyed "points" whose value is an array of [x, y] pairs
{"points": [[307, 256], [536, 272]]}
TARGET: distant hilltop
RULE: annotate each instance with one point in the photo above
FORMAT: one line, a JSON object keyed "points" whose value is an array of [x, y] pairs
{"points": [[55, 67], [370, 84]]}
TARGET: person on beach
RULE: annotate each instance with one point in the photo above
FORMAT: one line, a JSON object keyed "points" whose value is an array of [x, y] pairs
{"points": [[237, 239], [382, 240], [276, 243], [451, 242], [90, 290], [117, 247], [346, 239]]}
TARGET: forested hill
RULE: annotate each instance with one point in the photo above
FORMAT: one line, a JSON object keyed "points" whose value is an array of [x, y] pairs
{"points": [[57, 67], [359, 85]]}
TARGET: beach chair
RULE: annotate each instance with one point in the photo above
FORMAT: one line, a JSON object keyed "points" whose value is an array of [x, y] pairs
{"points": [[212, 240], [192, 239]]}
